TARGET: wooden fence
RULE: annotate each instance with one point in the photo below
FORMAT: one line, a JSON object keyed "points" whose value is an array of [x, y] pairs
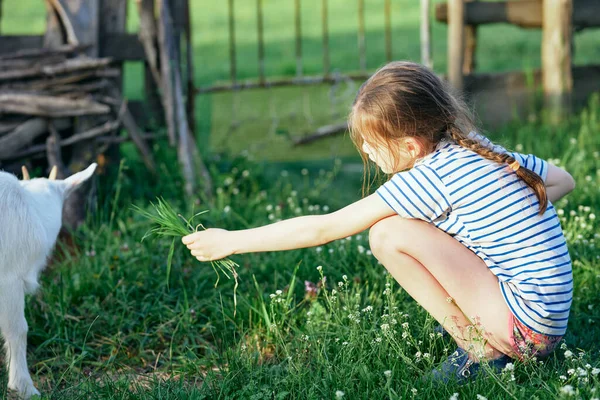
{"points": [[563, 84]]}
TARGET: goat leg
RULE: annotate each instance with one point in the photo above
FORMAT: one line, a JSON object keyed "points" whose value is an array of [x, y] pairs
{"points": [[14, 329]]}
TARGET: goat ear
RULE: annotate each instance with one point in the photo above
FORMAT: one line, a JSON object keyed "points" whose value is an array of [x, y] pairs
{"points": [[80, 177], [53, 173], [25, 173]]}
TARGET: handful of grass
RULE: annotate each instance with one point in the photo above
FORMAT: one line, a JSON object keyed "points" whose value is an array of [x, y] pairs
{"points": [[168, 223]]}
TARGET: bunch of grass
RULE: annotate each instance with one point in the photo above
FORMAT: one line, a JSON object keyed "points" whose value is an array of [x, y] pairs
{"points": [[168, 223]]}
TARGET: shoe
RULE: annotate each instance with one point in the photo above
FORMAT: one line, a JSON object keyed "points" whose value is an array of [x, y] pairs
{"points": [[461, 368]]}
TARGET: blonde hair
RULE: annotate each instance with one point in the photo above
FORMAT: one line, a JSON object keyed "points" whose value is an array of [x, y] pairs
{"points": [[404, 99]]}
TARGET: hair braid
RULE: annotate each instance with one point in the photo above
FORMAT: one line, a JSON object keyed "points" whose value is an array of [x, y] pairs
{"points": [[533, 180]]}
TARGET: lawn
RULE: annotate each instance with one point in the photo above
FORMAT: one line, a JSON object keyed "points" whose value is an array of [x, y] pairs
{"points": [[107, 325]]}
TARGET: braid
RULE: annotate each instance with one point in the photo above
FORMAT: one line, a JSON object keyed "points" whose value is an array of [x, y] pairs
{"points": [[533, 180]]}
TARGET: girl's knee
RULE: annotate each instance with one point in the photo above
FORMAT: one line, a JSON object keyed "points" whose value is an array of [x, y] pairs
{"points": [[390, 234]]}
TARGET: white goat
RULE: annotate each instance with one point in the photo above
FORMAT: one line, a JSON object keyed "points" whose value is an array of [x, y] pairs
{"points": [[30, 220]]}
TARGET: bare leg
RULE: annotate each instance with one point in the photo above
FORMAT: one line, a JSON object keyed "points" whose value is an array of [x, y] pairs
{"points": [[451, 282], [14, 329]]}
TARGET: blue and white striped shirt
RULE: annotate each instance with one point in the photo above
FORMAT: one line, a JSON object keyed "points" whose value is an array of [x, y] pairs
{"points": [[486, 207]]}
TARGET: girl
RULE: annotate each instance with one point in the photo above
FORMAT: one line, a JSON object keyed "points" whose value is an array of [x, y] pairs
{"points": [[465, 227]]}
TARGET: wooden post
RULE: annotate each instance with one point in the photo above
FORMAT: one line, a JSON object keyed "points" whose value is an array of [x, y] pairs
{"points": [[556, 57], [113, 19], [470, 47], [426, 34], [79, 20], [456, 42]]}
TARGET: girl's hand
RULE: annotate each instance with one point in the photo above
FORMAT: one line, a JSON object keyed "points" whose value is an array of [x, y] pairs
{"points": [[209, 245]]}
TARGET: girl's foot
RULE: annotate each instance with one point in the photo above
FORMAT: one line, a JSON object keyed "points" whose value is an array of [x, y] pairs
{"points": [[461, 368]]}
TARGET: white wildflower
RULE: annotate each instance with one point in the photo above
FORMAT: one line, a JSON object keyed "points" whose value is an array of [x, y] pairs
{"points": [[568, 390], [568, 354]]}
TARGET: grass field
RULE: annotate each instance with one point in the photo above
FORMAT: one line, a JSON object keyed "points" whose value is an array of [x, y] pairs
{"points": [[106, 325]]}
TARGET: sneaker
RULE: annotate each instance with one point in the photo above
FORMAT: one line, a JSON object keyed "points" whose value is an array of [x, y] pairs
{"points": [[461, 368]]}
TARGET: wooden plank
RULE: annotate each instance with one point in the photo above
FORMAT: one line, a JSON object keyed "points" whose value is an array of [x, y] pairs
{"points": [[523, 13], [556, 57], [122, 47], [425, 33], [49, 106], [470, 47], [456, 42], [190, 87], [14, 43], [25, 133], [166, 54]]}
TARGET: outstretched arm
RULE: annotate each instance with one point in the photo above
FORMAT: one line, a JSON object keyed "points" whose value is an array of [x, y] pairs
{"points": [[558, 183], [294, 233]]}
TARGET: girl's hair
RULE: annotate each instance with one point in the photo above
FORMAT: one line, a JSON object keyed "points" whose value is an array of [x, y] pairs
{"points": [[405, 99]]}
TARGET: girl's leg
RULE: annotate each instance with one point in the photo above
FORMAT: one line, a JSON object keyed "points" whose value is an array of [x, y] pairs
{"points": [[450, 281]]}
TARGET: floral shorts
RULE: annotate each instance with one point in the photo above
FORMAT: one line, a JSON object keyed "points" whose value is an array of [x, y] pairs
{"points": [[527, 343]]}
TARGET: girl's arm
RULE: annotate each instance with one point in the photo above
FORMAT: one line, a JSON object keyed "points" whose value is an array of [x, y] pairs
{"points": [[294, 233], [558, 183]]}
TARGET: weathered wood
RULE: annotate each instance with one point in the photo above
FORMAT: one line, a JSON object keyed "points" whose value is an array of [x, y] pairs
{"points": [[49, 106], [53, 83], [53, 152], [118, 46], [7, 126], [76, 64], [470, 47], [21, 136], [191, 89], [135, 134], [42, 52], [113, 30], [26, 63], [523, 13], [93, 133], [122, 47], [166, 53], [426, 34], [456, 42], [278, 82], [63, 11], [556, 56], [322, 132], [68, 66], [185, 141], [152, 77], [54, 36], [13, 43], [148, 36], [24, 133]]}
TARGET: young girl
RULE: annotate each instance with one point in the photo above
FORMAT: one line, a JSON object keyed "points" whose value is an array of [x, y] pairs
{"points": [[465, 227]]}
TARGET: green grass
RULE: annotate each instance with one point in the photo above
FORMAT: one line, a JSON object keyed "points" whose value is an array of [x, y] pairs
{"points": [[106, 326]]}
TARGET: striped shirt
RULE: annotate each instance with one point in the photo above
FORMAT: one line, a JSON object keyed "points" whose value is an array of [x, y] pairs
{"points": [[487, 208]]}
